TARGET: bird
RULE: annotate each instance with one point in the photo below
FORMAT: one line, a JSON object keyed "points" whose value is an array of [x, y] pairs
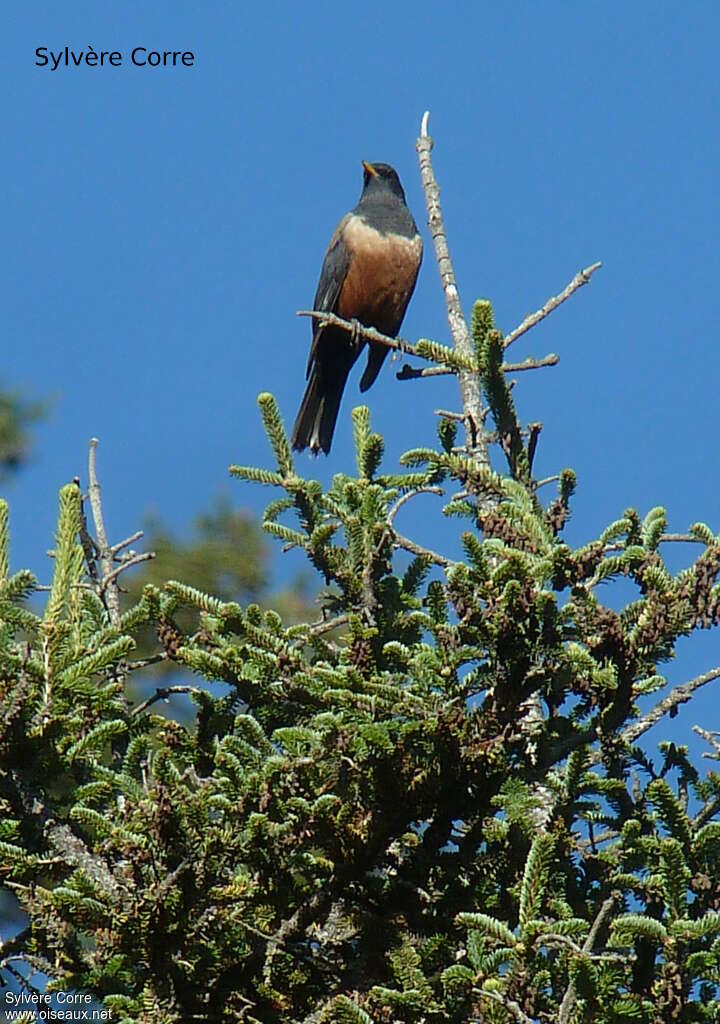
{"points": [[368, 276]]}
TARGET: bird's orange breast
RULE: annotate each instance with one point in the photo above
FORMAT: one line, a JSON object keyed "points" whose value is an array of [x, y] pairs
{"points": [[381, 275]]}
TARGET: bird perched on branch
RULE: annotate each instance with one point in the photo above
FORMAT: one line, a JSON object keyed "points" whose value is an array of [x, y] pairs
{"points": [[368, 275]]}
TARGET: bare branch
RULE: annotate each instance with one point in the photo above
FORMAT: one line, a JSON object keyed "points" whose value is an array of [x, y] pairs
{"points": [[680, 538], [407, 496], [400, 541], [355, 327], [162, 693], [327, 625], [504, 1001], [680, 695], [476, 440], [399, 345], [531, 364], [667, 538], [581, 278], [533, 435], [568, 1003], [154, 659], [128, 540], [712, 739], [322, 627], [63, 840], [306, 913], [459, 416], [127, 563], [408, 372], [112, 592]]}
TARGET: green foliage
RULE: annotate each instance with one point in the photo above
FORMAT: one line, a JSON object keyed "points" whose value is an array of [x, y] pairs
{"points": [[17, 416], [423, 804], [226, 556]]}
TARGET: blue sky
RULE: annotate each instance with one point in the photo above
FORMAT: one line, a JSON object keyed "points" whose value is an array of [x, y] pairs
{"points": [[163, 226]]}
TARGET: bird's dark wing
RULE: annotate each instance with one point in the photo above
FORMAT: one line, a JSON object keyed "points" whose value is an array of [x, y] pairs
{"points": [[332, 277]]}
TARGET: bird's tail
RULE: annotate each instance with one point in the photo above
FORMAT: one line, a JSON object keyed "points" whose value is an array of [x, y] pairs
{"points": [[315, 423]]}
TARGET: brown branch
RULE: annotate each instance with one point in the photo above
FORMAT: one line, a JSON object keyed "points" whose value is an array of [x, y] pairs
{"points": [[533, 435], [667, 538], [680, 538], [531, 364], [680, 695], [509, 1004], [470, 393], [568, 1003], [355, 327], [400, 541], [154, 659], [446, 414], [407, 372], [413, 372], [162, 693], [8, 947], [62, 840], [306, 913], [127, 563], [711, 738], [406, 497], [581, 278], [128, 540], [398, 345], [327, 625]]}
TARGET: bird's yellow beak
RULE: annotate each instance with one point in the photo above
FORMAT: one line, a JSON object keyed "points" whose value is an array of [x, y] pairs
{"points": [[369, 169]]}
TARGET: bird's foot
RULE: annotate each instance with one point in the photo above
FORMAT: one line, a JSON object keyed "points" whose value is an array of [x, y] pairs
{"points": [[356, 336]]}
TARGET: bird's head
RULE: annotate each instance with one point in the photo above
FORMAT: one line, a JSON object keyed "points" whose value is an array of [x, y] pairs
{"points": [[380, 178]]}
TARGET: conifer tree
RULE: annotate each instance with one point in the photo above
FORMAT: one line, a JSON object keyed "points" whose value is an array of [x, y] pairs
{"points": [[429, 805], [17, 415]]}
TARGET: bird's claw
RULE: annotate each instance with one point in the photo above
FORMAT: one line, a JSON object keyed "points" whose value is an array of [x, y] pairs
{"points": [[355, 336]]}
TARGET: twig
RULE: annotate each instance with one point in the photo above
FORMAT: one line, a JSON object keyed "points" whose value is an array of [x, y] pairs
{"points": [[459, 416], [667, 538], [406, 497], [408, 372], [23, 982], [128, 540], [63, 840], [90, 548], [566, 1007], [711, 738], [358, 329], [680, 695], [327, 625], [162, 693], [504, 1001], [112, 592], [9, 947], [706, 813], [127, 563], [531, 364], [680, 538], [604, 837], [306, 913], [154, 659], [581, 278], [533, 435], [416, 549], [470, 392], [399, 345], [547, 480]]}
